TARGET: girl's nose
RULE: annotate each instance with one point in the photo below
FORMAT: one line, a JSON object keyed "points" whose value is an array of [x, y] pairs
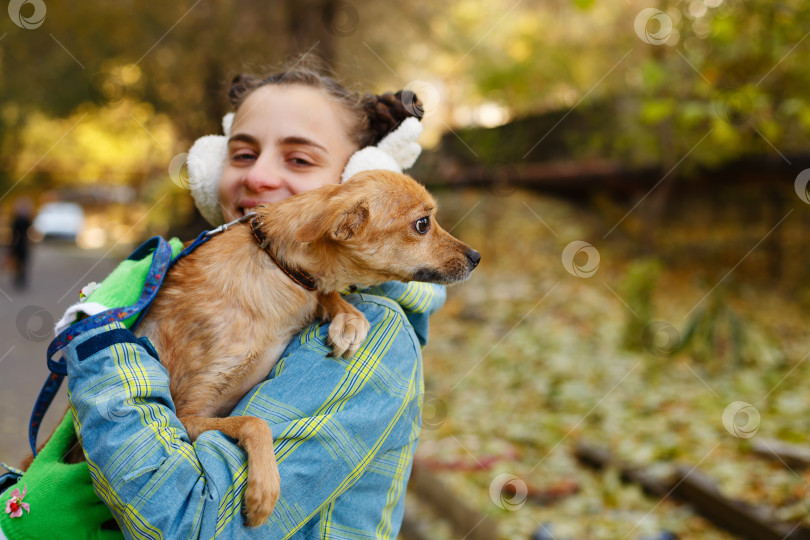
{"points": [[263, 176]]}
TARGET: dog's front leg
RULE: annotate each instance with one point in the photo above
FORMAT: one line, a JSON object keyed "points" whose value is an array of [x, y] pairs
{"points": [[256, 438], [349, 327]]}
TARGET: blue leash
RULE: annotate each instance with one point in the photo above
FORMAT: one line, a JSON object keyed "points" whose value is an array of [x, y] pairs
{"points": [[157, 271], [162, 262]]}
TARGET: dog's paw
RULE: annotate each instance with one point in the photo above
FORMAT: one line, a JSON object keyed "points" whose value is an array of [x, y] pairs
{"points": [[261, 496], [347, 332]]}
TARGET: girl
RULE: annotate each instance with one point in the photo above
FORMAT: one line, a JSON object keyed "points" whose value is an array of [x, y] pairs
{"points": [[345, 431]]}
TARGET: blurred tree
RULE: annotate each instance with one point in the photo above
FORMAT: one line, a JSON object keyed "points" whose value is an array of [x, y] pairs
{"points": [[315, 30], [721, 79], [94, 58]]}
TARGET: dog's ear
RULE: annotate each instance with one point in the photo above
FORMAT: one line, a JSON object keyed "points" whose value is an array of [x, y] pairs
{"points": [[336, 223], [350, 221]]}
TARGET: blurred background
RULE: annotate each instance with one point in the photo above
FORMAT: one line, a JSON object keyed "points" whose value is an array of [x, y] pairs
{"points": [[629, 360]]}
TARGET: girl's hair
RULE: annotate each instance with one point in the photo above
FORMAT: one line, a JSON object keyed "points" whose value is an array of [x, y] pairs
{"points": [[372, 116]]}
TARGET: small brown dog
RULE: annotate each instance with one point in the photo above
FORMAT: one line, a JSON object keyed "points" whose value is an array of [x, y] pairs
{"points": [[226, 311]]}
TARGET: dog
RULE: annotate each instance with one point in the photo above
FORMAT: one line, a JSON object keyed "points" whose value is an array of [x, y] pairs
{"points": [[227, 310]]}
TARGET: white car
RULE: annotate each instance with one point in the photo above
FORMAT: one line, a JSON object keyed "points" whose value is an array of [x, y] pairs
{"points": [[59, 220]]}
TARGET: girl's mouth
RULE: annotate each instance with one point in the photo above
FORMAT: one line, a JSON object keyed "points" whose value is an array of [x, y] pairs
{"points": [[247, 207]]}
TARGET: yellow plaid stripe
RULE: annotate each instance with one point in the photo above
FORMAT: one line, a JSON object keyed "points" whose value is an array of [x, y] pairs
{"points": [[135, 524], [231, 504], [417, 297], [326, 520], [397, 488], [344, 532], [137, 384], [363, 365], [362, 465]]}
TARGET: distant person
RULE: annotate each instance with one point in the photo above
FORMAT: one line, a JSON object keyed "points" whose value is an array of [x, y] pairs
{"points": [[19, 247]]}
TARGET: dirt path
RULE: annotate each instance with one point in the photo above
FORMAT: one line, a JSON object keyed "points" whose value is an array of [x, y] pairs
{"points": [[26, 327]]}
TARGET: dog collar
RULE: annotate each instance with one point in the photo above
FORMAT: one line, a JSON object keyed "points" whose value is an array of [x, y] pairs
{"points": [[302, 278]]}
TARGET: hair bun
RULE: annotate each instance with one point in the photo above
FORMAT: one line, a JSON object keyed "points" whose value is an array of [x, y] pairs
{"points": [[386, 111]]}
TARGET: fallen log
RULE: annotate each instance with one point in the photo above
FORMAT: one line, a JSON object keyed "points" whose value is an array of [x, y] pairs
{"points": [[793, 455], [466, 522], [413, 528], [692, 487]]}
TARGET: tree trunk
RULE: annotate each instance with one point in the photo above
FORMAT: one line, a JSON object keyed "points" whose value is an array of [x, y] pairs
{"points": [[311, 27]]}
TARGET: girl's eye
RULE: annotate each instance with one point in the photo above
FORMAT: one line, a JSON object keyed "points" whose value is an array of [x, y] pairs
{"points": [[422, 225], [243, 156], [299, 161]]}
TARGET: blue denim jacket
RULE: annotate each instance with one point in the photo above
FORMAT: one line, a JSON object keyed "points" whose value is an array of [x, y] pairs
{"points": [[345, 431]]}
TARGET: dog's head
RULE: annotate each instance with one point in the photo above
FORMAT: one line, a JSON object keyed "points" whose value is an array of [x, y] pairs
{"points": [[380, 226]]}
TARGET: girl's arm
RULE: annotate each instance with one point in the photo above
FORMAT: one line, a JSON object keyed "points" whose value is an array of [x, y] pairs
{"points": [[417, 299], [331, 419]]}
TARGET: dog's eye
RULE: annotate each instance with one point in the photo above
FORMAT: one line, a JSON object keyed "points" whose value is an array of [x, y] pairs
{"points": [[422, 225]]}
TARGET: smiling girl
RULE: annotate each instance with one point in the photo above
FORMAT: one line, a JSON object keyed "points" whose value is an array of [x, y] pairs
{"points": [[345, 431]]}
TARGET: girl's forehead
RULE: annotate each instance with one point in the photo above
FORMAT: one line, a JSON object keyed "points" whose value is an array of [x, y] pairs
{"points": [[291, 107]]}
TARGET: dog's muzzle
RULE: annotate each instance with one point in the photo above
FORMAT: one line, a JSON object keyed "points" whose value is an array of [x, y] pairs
{"points": [[459, 270]]}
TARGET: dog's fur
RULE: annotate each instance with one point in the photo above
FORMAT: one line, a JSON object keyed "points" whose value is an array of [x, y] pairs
{"points": [[226, 311]]}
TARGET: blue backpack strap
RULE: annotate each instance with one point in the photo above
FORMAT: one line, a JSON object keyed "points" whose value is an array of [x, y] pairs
{"points": [[161, 262]]}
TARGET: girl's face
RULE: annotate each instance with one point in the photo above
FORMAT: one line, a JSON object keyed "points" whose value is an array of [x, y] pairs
{"points": [[284, 140]]}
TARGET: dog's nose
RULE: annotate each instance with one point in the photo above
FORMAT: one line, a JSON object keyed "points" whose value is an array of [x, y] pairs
{"points": [[474, 257]]}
